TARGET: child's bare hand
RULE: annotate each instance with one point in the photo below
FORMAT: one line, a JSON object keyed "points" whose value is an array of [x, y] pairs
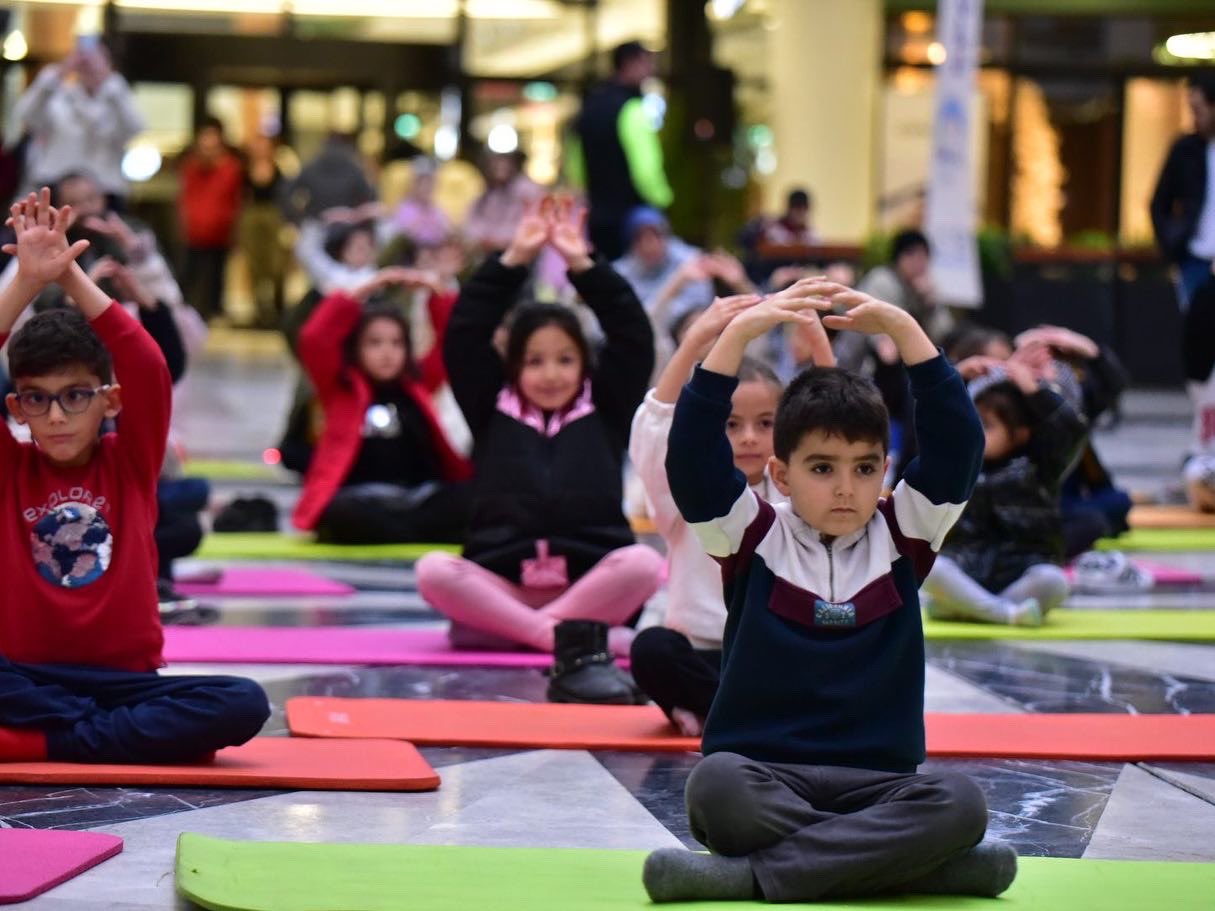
{"points": [[775, 309], [1064, 341], [567, 232], [530, 234], [727, 268], [705, 329], [42, 251], [1025, 379], [977, 366], [865, 314]]}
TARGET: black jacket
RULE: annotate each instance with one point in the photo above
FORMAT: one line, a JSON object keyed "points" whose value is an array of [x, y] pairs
{"points": [[608, 183], [1013, 518], [1181, 193], [526, 486]]}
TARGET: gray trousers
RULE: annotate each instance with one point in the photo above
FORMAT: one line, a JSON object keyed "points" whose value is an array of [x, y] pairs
{"points": [[813, 832], [957, 596]]}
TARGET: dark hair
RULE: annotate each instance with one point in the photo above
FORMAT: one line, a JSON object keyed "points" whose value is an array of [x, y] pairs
{"points": [[907, 242], [56, 340], [57, 186], [753, 370], [798, 199], [624, 54], [1204, 81], [1007, 402], [338, 235], [211, 122], [378, 308], [531, 317], [834, 402], [968, 340]]}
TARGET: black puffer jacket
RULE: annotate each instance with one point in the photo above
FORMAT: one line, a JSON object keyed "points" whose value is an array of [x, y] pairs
{"points": [[1013, 519], [567, 488]]}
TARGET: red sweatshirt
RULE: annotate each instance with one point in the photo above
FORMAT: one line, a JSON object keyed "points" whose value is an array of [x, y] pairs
{"points": [[210, 200], [76, 544]]}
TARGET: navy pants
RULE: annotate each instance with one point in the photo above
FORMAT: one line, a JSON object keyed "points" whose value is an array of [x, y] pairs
{"points": [[94, 714], [672, 673]]}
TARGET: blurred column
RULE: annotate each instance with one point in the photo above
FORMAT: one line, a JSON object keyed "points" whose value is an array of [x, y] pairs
{"points": [[824, 81]]}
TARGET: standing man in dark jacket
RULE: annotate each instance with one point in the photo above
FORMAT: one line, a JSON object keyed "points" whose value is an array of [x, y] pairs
{"points": [[614, 151], [1183, 206]]}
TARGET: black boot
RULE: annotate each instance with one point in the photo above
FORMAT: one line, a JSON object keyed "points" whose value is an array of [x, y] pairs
{"points": [[583, 668]]}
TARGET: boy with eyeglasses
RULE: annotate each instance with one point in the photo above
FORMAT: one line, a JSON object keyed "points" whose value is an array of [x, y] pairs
{"points": [[80, 635]]}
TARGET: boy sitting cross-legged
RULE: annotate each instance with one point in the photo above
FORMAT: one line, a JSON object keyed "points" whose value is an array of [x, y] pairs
{"points": [[80, 636], [808, 788]]}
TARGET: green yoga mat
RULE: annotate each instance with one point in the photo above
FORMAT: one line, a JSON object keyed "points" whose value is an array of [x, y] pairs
{"points": [[275, 546], [273, 876], [229, 470], [1075, 623], [1161, 540]]}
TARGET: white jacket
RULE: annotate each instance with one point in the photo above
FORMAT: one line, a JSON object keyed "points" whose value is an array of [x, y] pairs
{"points": [[75, 131], [695, 604]]}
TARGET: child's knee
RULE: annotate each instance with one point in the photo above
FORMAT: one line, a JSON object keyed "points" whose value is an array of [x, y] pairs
{"points": [[716, 787], [246, 708], [438, 572], [963, 809], [640, 563], [654, 646]]}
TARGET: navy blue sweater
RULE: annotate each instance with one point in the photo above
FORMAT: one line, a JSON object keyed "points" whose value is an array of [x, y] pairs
{"points": [[823, 654]]}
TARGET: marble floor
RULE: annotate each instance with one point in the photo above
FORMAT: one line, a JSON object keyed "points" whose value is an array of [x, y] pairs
{"points": [[545, 798]]}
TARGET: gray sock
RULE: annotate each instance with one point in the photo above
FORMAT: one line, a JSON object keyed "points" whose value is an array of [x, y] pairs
{"points": [[987, 869], [674, 875]]}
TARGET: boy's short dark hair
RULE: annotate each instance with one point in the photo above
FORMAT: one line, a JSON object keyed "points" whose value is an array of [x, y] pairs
{"points": [[626, 53], [907, 242], [1007, 402], [969, 339], [57, 340], [798, 199], [833, 401], [1204, 81]]}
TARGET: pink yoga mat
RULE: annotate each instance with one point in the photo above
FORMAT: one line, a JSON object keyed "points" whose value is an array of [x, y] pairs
{"points": [[266, 582], [34, 860], [330, 645], [1164, 575]]}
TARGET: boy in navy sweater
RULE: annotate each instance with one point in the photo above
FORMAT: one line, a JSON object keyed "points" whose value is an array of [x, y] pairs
{"points": [[808, 789]]}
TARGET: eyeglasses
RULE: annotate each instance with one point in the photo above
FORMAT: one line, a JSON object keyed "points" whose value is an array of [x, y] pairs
{"points": [[76, 400]]}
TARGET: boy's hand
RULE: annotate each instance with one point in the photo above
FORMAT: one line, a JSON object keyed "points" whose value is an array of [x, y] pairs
{"points": [[729, 270], [1064, 341], [530, 235], [42, 251], [978, 365], [567, 233], [705, 329], [871, 316], [797, 304]]}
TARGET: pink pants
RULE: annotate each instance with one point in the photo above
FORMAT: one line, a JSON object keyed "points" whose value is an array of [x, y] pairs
{"points": [[474, 597]]}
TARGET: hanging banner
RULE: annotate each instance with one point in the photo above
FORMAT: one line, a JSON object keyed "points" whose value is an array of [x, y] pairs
{"points": [[949, 217]]}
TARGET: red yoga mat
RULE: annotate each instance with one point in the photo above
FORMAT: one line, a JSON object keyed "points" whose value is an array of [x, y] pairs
{"points": [[265, 582], [330, 645], [263, 762], [35, 860], [1127, 738]]}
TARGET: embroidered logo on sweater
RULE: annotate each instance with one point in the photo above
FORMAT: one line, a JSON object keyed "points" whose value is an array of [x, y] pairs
{"points": [[829, 613], [72, 545]]}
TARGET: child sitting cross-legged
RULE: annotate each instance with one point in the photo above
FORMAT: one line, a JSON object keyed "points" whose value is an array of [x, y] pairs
{"points": [[550, 561], [1000, 564], [808, 788], [678, 664], [80, 634]]}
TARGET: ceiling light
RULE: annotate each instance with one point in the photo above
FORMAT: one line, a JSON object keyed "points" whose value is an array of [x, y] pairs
{"points": [[15, 47], [1194, 46]]}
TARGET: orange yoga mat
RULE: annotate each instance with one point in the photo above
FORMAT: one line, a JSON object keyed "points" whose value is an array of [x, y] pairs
{"points": [[1170, 517], [1114, 737], [264, 762]]}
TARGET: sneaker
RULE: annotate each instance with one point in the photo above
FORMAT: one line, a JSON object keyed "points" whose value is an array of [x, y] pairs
{"points": [[1027, 613], [171, 599], [1109, 572]]}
